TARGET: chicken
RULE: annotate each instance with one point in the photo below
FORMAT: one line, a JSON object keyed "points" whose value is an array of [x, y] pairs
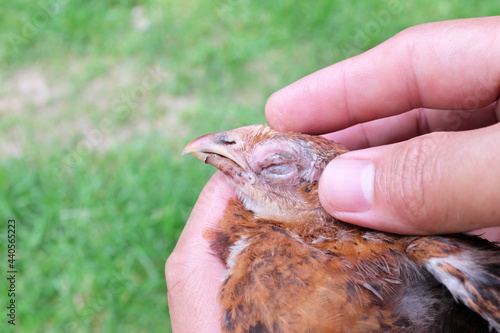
{"points": [[291, 267]]}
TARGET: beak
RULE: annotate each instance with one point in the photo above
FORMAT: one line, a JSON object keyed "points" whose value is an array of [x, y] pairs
{"points": [[227, 151], [198, 146], [216, 149]]}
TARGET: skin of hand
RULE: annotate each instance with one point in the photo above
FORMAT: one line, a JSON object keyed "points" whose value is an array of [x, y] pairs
{"points": [[193, 273], [414, 83]]}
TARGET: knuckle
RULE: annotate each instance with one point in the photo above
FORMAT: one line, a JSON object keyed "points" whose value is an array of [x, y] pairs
{"points": [[415, 171]]}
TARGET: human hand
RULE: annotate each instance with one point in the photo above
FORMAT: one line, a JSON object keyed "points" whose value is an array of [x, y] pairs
{"points": [[193, 274], [415, 83]]}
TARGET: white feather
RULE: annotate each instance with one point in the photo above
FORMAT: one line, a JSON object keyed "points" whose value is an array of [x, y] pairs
{"points": [[235, 250]]}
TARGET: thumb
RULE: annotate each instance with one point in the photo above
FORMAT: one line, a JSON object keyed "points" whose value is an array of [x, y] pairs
{"points": [[435, 183]]}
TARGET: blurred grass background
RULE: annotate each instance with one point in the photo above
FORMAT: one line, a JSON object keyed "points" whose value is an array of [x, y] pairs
{"points": [[97, 100]]}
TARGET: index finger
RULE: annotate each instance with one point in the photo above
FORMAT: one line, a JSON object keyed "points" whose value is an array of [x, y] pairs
{"points": [[441, 65]]}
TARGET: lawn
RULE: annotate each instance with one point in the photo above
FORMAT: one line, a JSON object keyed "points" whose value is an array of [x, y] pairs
{"points": [[97, 100]]}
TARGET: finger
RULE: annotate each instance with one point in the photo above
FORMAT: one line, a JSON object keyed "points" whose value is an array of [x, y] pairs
{"points": [[410, 124], [491, 234], [441, 65], [436, 183], [193, 274]]}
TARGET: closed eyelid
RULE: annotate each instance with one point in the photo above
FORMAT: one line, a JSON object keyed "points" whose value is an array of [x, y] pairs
{"points": [[285, 155], [277, 159], [281, 169]]}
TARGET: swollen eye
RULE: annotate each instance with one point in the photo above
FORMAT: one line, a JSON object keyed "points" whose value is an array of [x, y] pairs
{"points": [[280, 169]]}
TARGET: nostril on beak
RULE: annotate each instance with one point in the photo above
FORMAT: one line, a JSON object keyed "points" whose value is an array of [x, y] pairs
{"points": [[222, 139], [229, 142]]}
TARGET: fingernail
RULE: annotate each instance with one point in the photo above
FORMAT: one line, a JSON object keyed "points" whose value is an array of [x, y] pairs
{"points": [[347, 185]]}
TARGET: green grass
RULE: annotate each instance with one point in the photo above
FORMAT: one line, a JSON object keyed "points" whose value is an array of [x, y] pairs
{"points": [[90, 140]]}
